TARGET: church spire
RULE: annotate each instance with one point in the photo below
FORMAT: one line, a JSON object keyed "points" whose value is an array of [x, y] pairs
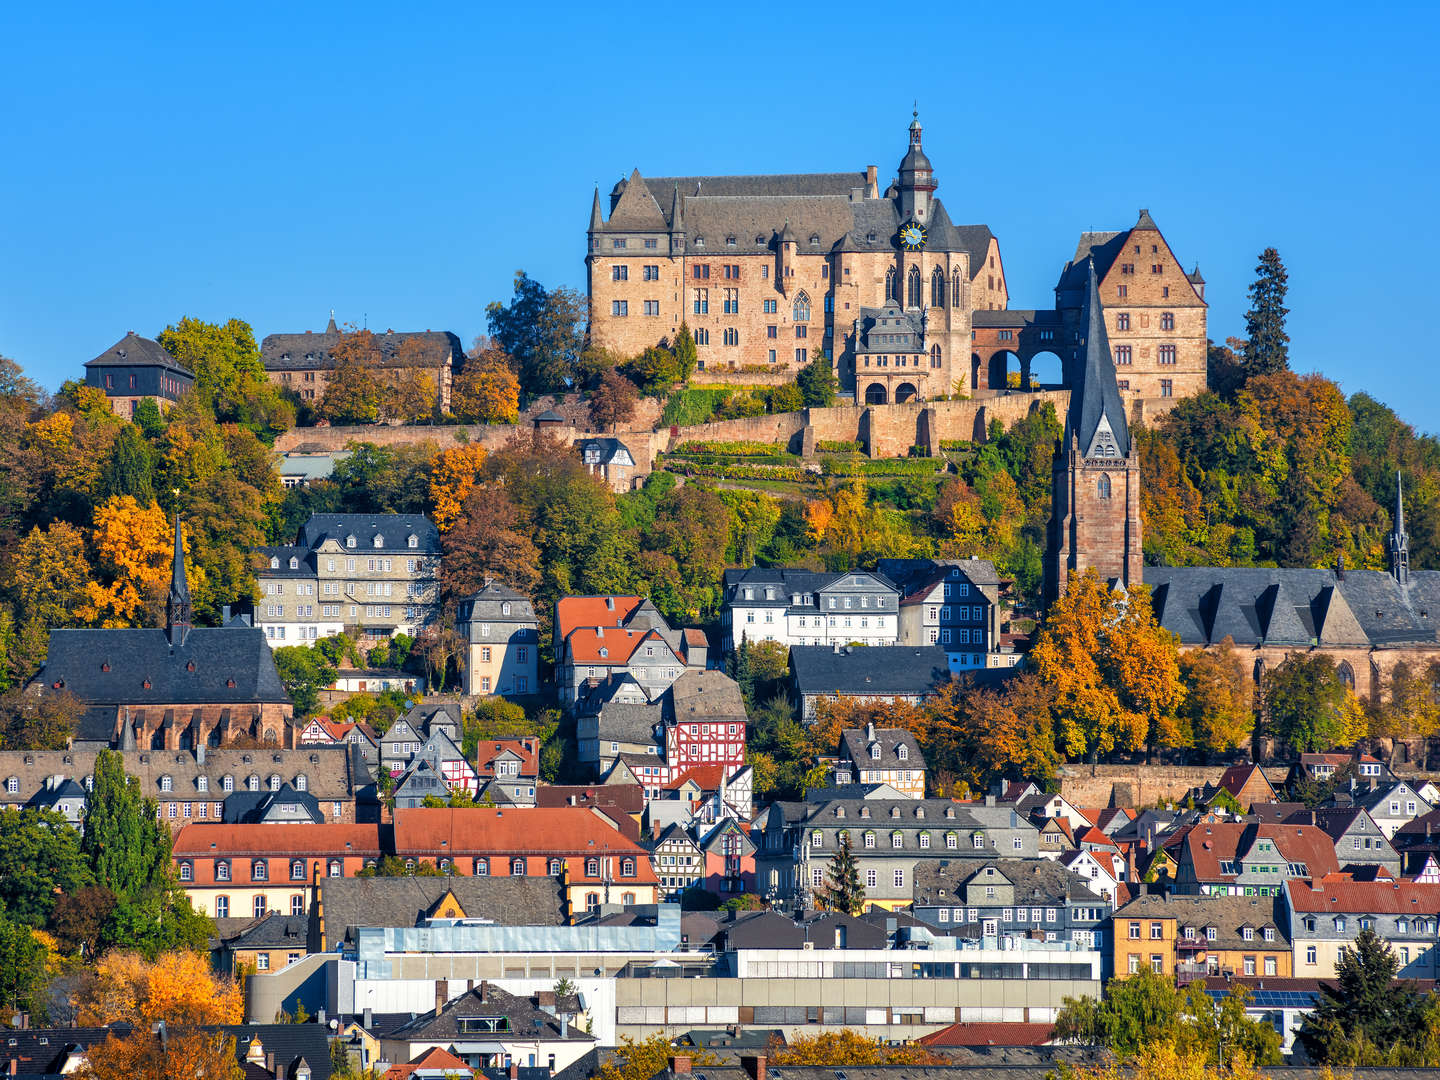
{"points": [[596, 221], [177, 605], [1097, 415], [1399, 540]]}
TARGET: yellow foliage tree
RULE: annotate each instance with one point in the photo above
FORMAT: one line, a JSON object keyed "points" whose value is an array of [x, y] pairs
{"points": [[452, 477], [1162, 1060], [132, 547], [177, 987], [185, 1055], [847, 1047], [640, 1059], [488, 391]]}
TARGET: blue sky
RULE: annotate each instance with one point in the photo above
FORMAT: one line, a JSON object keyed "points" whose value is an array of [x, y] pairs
{"points": [[399, 163]]}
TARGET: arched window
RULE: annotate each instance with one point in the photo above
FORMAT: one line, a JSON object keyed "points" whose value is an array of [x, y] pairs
{"points": [[349, 541], [912, 287], [956, 289], [301, 783], [897, 840], [892, 289], [554, 867], [934, 356], [627, 868], [592, 867], [297, 869], [259, 870], [334, 868], [412, 541], [227, 782], [222, 870], [274, 782], [1347, 675], [517, 867], [937, 288], [379, 541], [924, 839], [801, 312], [186, 873], [1102, 487]]}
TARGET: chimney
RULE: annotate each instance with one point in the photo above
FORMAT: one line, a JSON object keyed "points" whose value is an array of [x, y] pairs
{"points": [[442, 994], [200, 753], [869, 731], [565, 1026], [871, 175], [680, 1063], [514, 1069], [754, 1065], [368, 1018], [270, 1062], [484, 990]]}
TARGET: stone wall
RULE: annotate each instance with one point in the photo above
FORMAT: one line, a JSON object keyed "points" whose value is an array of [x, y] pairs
{"points": [[1141, 785]]}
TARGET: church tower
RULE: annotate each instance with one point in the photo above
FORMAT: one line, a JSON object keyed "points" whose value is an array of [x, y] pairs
{"points": [[1095, 511], [1399, 543], [177, 604], [916, 178]]}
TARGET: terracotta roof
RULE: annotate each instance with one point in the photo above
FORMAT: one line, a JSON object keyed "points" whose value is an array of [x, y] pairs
{"points": [[1366, 897], [644, 873], [434, 1058], [709, 777], [586, 642], [1208, 845], [527, 749], [575, 611], [978, 1034], [256, 839], [479, 830], [696, 637], [1093, 835]]}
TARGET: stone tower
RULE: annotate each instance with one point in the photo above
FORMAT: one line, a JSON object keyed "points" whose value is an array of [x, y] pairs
{"points": [[1095, 513], [1399, 543]]}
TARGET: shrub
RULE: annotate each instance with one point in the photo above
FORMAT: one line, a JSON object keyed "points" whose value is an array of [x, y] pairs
{"points": [[886, 467], [728, 449], [832, 446]]}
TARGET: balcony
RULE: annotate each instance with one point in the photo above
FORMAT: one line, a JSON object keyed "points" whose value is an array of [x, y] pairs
{"points": [[1187, 971]]}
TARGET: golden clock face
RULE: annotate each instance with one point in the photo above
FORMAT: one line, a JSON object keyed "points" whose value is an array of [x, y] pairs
{"points": [[912, 236]]}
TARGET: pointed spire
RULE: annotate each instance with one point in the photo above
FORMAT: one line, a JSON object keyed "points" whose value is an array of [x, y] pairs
{"points": [[177, 605], [330, 327], [597, 222], [1399, 539], [1097, 415], [677, 212]]}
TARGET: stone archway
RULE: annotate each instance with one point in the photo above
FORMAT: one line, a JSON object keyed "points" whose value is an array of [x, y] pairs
{"points": [[905, 392], [875, 394], [975, 368], [1002, 363]]}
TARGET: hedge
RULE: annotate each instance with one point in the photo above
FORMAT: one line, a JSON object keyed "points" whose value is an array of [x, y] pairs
{"points": [[740, 472], [888, 467], [831, 446], [729, 449]]}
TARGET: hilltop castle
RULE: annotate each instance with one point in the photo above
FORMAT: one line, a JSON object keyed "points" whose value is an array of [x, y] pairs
{"points": [[768, 271]]}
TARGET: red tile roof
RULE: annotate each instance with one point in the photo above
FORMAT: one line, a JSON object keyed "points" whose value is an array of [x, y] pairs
{"points": [[978, 1034], [1365, 897], [527, 749], [1209, 845], [567, 830], [697, 638], [1093, 835], [709, 777], [256, 839], [575, 611], [586, 642], [435, 1058], [644, 873]]}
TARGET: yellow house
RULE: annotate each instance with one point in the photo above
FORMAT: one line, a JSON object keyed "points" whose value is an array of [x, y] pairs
{"points": [[1189, 937]]}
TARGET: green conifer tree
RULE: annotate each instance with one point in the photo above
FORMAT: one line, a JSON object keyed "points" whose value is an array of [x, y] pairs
{"points": [[842, 890], [1267, 347], [684, 350], [124, 843]]}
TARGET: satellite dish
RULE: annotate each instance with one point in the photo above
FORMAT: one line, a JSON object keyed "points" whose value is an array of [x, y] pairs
{"points": [[334, 1025]]}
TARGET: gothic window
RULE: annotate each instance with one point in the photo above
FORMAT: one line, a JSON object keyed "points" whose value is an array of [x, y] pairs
{"points": [[1103, 486], [1347, 675], [912, 289], [934, 356], [937, 289], [955, 289], [801, 311], [892, 290]]}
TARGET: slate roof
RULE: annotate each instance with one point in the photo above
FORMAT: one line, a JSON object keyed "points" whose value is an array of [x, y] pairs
{"points": [[607, 451], [111, 667], [705, 695], [856, 743], [527, 1020], [273, 931], [133, 351], [1228, 914], [1095, 397], [939, 881], [876, 325], [486, 605], [1014, 318], [288, 1042], [394, 530], [1297, 606], [288, 352], [244, 807], [911, 575], [908, 670], [407, 901]]}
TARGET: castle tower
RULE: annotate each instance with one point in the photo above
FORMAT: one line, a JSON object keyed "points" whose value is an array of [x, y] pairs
{"points": [[1095, 514], [177, 604], [1399, 542], [917, 179]]}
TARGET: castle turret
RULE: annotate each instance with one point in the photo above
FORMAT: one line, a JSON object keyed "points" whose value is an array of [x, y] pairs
{"points": [[917, 178], [177, 604]]}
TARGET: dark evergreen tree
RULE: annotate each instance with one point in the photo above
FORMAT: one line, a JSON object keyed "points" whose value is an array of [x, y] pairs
{"points": [[1365, 1014], [684, 350], [130, 467], [149, 419], [742, 674], [126, 846], [843, 891], [1267, 346], [817, 382]]}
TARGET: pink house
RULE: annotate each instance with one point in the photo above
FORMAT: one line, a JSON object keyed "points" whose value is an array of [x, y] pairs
{"points": [[729, 859]]}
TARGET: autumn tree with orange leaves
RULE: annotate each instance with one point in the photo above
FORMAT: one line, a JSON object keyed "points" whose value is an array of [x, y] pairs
{"points": [[1113, 670], [145, 1055], [848, 1047], [132, 546], [453, 474], [177, 987]]}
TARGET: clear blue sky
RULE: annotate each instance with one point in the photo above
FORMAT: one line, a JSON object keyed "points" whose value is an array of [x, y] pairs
{"points": [[399, 162]]}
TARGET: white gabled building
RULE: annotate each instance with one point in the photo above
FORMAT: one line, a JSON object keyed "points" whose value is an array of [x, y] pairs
{"points": [[802, 607]]}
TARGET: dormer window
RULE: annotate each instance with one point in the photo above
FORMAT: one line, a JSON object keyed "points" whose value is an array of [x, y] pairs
{"points": [[202, 783], [349, 541], [227, 782], [875, 752], [301, 782], [379, 541], [412, 541], [902, 752], [294, 563], [273, 783], [505, 608], [274, 562], [166, 784]]}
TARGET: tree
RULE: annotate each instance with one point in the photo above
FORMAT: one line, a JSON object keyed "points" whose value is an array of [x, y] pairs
{"points": [[179, 988], [817, 382], [985, 735], [849, 1048], [654, 371], [453, 474], [642, 1059], [1267, 346], [1136, 1010], [130, 468], [38, 722], [613, 402], [133, 546], [51, 569], [354, 392], [39, 859], [1307, 705], [684, 350], [229, 374], [1365, 1016], [304, 673], [842, 891], [193, 1054], [149, 419], [489, 540], [1166, 1061], [23, 967], [543, 331], [1217, 707], [488, 390], [785, 398], [123, 842], [79, 918]]}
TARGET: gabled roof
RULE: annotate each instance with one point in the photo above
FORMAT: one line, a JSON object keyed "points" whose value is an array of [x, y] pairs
{"points": [[1350, 897], [407, 901], [859, 745], [135, 351], [525, 1018], [576, 611], [525, 748], [909, 670], [1207, 845], [259, 840], [481, 831]]}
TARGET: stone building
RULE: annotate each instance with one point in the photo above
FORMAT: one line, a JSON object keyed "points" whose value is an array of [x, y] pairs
{"points": [[179, 687], [136, 368], [953, 603], [372, 573], [872, 755], [502, 642], [1095, 506], [302, 362], [767, 271]]}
